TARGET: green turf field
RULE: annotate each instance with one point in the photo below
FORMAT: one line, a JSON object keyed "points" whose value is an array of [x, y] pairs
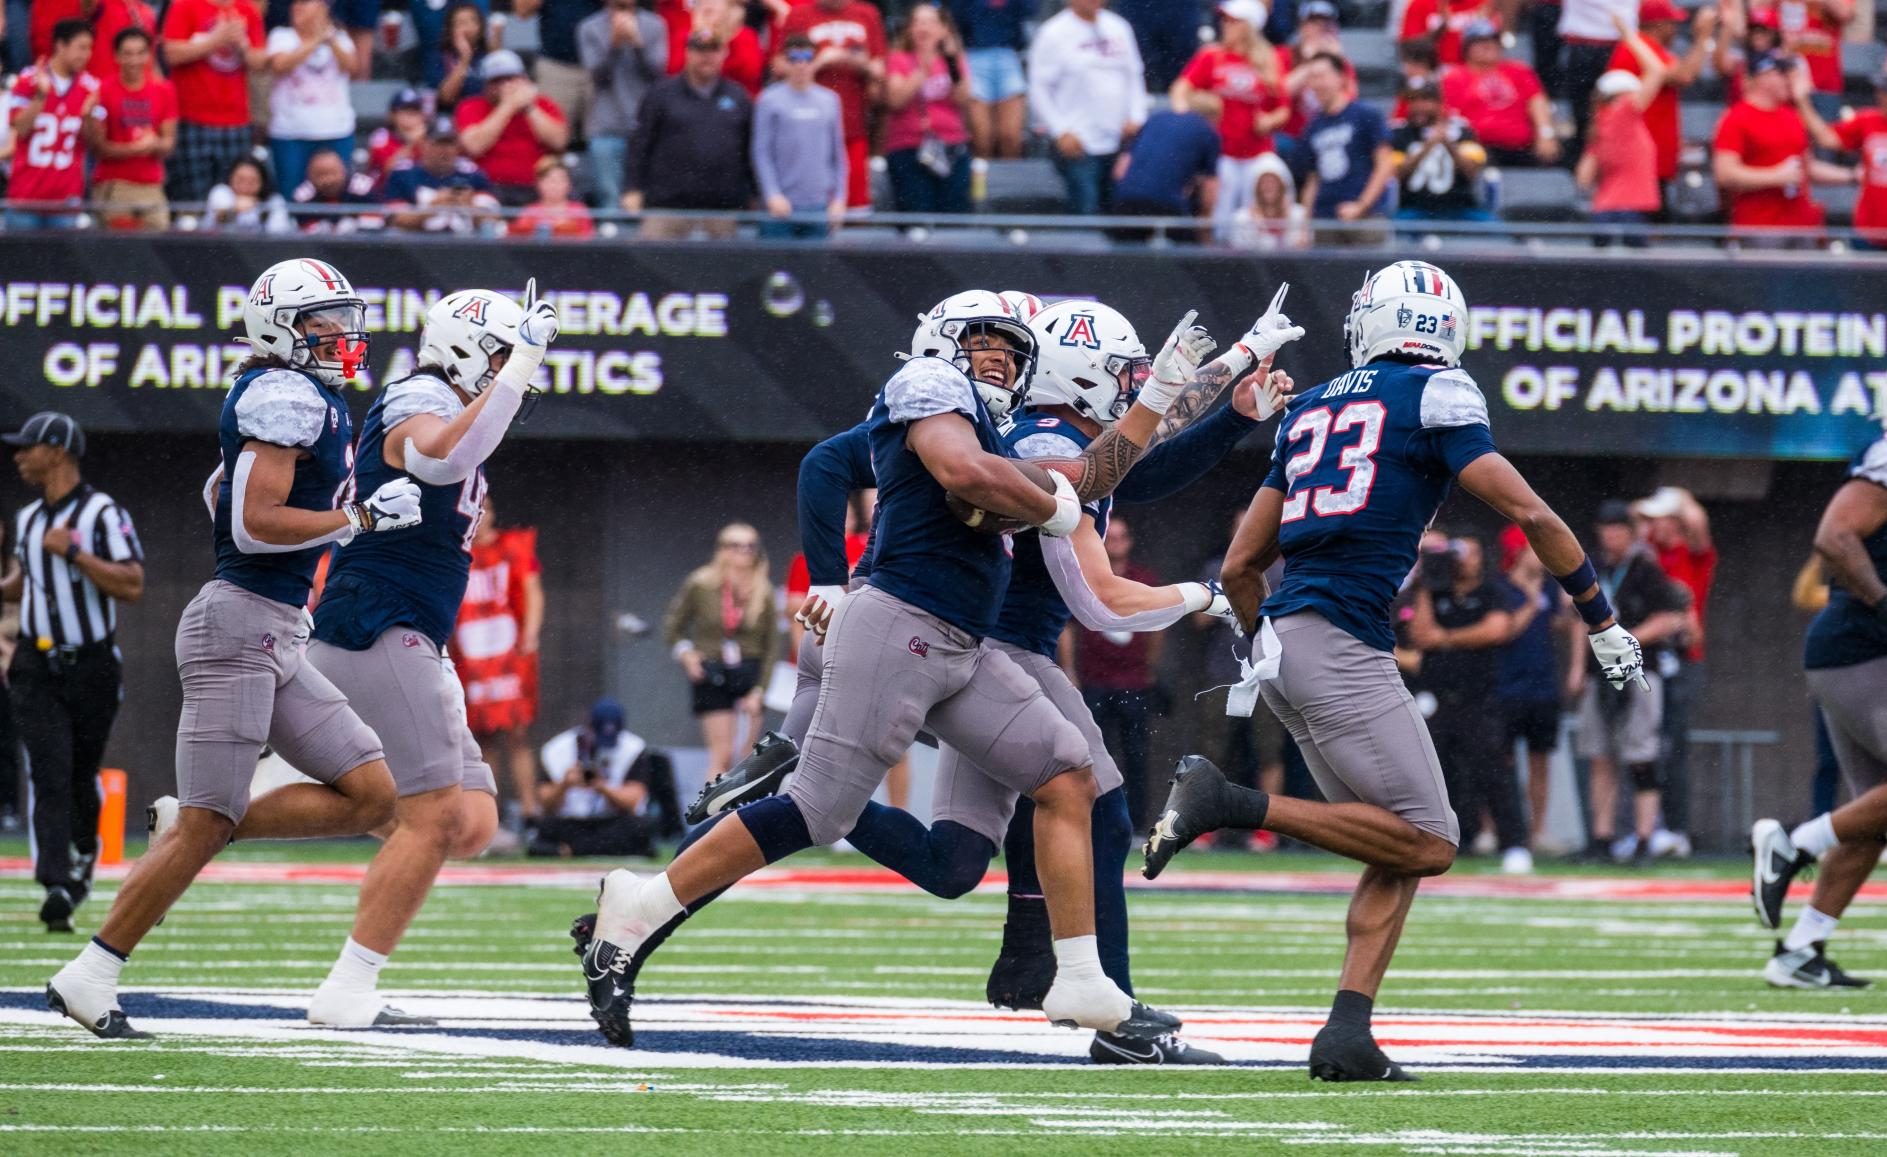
{"points": [[246, 1072]]}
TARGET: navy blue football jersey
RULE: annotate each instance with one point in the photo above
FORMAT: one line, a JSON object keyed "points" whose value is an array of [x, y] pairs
{"points": [[1846, 631], [413, 577], [1033, 611], [282, 407], [922, 554], [1364, 461]]}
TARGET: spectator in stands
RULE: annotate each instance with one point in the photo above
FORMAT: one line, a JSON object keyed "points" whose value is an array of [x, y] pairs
{"points": [[309, 107], [746, 63], [1441, 23], [1658, 22], [1526, 685], [850, 38], [1415, 60], [1349, 141], [1745, 37], [510, 127], [1502, 101], [799, 149], [1318, 34], [465, 37], [134, 129], [1236, 84], [1273, 219], [1811, 31], [245, 202], [400, 138], [1619, 166], [1438, 161], [559, 68], [1088, 91], [209, 48], [46, 109], [1677, 527], [554, 213], [691, 147], [1863, 134], [1623, 727], [722, 626], [1588, 36], [441, 192], [1761, 155], [329, 183], [108, 19], [927, 146], [1170, 171], [994, 34], [625, 47], [604, 791], [1167, 32]]}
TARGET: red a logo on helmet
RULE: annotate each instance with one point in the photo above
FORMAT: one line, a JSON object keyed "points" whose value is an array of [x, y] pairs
{"points": [[473, 310], [1081, 332]]}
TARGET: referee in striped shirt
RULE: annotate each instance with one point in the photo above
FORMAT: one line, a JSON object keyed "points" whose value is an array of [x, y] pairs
{"points": [[78, 558]]}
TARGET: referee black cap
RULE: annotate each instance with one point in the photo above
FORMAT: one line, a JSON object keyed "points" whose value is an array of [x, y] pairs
{"points": [[52, 428]]}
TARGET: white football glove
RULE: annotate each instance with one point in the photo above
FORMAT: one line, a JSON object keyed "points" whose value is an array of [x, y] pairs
{"points": [[395, 506], [815, 614], [1269, 334], [1067, 514], [1176, 363], [1208, 598], [539, 328], [1621, 659]]}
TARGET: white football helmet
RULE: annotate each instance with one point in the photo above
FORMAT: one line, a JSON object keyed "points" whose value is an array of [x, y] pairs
{"points": [[1089, 357], [942, 332], [1409, 308], [299, 306], [1026, 305], [464, 331]]}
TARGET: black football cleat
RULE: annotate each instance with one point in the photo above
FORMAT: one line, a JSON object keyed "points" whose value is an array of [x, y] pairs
{"points": [[755, 777], [583, 930], [1020, 980], [56, 912], [1349, 1053], [1167, 1049], [612, 990], [1194, 807], [1774, 865]]}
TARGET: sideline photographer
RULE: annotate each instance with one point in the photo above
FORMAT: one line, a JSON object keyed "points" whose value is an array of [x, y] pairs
{"points": [[1458, 620], [605, 792]]}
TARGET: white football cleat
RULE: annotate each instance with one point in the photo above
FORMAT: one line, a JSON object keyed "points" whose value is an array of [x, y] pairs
{"points": [[337, 1007], [1098, 1003], [91, 1002], [1517, 862]]}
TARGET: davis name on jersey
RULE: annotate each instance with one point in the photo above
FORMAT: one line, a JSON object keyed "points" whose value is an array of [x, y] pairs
{"points": [[922, 554], [1364, 461], [282, 407], [1033, 611], [417, 577]]}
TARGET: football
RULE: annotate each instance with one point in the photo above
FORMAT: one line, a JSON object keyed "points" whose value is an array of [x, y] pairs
{"points": [[984, 522]]}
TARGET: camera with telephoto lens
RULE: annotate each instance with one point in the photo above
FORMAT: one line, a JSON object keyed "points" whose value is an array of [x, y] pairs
{"points": [[1436, 570]]}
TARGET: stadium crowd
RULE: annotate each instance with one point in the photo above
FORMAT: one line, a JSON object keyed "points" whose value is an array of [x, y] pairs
{"points": [[1251, 115]]}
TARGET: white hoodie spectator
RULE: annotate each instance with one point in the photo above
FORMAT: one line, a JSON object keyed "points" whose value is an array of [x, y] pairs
{"points": [[1088, 92]]}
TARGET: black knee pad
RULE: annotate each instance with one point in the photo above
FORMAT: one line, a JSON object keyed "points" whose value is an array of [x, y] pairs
{"points": [[1644, 776]]}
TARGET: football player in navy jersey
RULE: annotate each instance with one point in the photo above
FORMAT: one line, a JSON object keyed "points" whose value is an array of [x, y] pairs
{"points": [[1846, 658], [281, 495], [1361, 466], [908, 651], [390, 604]]}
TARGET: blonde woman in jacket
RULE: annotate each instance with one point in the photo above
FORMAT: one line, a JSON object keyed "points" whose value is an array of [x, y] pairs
{"points": [[722, 629]]}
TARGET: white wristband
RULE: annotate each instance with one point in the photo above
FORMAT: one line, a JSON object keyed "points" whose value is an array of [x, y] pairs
{"points": [[1197, 596], [831, 594]]}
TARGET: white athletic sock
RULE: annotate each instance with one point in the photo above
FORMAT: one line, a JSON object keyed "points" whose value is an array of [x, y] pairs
{"points": [[96, 964], [1810, 926], [357, 969], [1078, 958], [651, 905], [1816, 836]]}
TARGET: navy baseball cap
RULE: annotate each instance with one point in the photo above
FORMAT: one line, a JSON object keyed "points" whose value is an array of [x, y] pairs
{"points": [[51, 428], [1769, 62], [406, 98], [606, 718], [443, 129], [1613, 512], [1319, 10]]}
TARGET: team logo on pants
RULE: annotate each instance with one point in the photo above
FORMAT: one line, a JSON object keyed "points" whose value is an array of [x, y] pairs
{"points": [[919, 647], [268, 642], [409, 639]]}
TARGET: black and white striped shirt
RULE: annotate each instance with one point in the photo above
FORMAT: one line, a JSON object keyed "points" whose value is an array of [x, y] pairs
{"points": [[57, 601]]}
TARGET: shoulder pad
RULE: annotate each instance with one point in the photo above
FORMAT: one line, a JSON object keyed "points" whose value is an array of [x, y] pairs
{"points": [[419, 394], [1871, 465], [282, 407], [924, 387], [1044, 445], [1450, 398]]}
